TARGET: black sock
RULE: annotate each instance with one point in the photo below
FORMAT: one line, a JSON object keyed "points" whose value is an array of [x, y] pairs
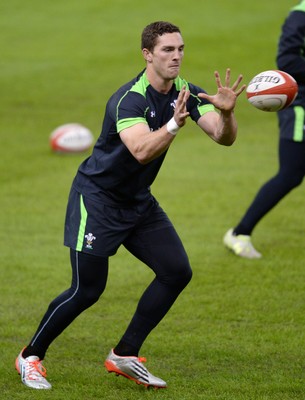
{"points": [[123, 349], [31, 351], [242, 230]]}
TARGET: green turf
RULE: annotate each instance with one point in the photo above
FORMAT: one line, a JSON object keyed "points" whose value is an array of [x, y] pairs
{"points": [[237, 331]]}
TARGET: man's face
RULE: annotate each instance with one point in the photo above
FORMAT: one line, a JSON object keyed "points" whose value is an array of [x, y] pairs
{"points": [[166, 57]]}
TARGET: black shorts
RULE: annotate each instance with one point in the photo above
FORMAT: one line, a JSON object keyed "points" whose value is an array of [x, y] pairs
{"points": [[291, 123], [100, 229]]}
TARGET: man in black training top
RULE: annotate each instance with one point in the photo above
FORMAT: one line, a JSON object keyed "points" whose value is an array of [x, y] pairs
{"points": [[111, 204]]}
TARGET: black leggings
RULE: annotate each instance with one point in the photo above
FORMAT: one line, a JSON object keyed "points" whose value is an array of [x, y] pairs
{"points": [[162, 251], [89, 277], [290, 175]]}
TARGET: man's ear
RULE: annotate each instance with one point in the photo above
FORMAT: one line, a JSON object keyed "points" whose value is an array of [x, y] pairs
{"points": [[147, 55]]}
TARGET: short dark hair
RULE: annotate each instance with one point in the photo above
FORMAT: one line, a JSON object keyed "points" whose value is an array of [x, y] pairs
{"points": [[153, 30]]}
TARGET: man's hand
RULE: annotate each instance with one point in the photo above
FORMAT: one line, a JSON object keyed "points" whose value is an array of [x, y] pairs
{"points": [[226, 96], [180, 113]]}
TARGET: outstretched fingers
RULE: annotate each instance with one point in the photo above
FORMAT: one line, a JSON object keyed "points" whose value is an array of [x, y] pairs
{"points": [[235, 85], [227, 78], [183, 97], [181, 112], [217, 79]]}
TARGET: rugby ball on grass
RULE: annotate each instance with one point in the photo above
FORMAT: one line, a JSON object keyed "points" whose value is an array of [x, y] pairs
{"points": [[71, 138], [272, 90]]}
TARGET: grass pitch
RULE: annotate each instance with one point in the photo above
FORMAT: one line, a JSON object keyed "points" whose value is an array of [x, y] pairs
{"points": [[237, 331]]}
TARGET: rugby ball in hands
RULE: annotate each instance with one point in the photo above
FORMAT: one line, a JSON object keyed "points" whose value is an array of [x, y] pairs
{"points": [[272, 90], [71, 138]]}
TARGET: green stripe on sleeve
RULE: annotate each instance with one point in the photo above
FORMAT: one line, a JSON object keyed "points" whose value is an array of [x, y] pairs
{"points": [[128, 122], [298, 124], [82, 225], [205, 108]]}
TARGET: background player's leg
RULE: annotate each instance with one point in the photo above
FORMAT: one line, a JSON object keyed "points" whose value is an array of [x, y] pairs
{"points": [[290, 175]]}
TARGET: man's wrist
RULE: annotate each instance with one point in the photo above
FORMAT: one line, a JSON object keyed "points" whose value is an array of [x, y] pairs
{"points": [[172, 127]]}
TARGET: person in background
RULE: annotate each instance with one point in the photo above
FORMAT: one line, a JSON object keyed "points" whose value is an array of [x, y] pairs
{"points": [[291, 59], [111, 203]]}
